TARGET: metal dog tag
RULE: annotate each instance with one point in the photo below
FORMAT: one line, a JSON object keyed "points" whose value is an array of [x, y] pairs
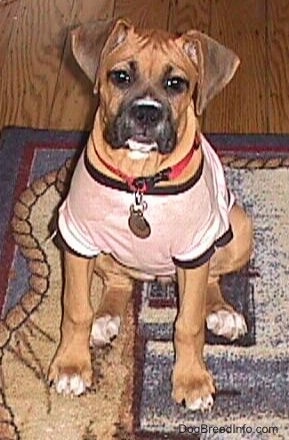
{"points": [[137, 223]]}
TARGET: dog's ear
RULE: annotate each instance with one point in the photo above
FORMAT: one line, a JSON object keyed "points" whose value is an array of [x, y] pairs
{"points": [[216, 65], [91, 39]]}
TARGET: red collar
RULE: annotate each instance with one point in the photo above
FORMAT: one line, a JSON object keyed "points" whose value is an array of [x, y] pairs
{"points": [[143, 184]]}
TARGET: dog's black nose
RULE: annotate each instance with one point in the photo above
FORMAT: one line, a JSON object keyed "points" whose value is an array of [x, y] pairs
{"points": [[147, 114]]}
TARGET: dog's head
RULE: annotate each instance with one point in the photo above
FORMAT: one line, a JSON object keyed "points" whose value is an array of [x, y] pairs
{"points": [[149, 81]]}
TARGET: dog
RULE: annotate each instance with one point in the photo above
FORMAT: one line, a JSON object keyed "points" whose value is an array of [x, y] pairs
{"points": [[148, 200]]}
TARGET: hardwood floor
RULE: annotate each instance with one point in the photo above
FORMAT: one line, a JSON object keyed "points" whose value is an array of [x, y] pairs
{"points": [[41, 86]]}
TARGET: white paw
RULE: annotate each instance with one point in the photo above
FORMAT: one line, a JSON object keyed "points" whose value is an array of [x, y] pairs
{"points": [[202, 404], [104, 329], [231, 325], [70, 385]]}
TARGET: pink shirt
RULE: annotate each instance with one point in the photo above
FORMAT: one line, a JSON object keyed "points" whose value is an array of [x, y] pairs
{"points": [[187, 221]]}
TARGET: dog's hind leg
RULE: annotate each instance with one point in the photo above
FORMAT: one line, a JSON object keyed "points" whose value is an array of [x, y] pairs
{"points": [[222, 319], [117, 290]]}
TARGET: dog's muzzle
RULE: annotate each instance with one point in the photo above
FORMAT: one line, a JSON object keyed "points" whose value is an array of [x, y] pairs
{"points": [[143, 125]]}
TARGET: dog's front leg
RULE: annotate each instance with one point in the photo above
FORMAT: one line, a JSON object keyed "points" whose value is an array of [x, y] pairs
{"points": [[71, 369], [192, 382]]}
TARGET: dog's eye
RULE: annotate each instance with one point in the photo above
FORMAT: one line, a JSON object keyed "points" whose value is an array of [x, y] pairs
{"points": [[120, 78], [176, 84]]}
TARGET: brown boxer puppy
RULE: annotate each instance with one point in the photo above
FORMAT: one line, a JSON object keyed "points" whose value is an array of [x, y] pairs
{"points": [[148, 199]]}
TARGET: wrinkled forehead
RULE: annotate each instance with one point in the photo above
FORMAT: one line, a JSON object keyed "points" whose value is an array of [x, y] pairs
{"points": [[152, 54]]}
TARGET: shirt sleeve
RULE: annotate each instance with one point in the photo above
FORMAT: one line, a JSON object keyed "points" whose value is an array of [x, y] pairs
{"points": [[71, 237], [186, 261]]}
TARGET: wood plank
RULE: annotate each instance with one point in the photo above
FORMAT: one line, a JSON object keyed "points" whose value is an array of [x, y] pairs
{"points": [[74, 103], [278, 66], [29, 74], [8, 17], [90, 10], [146, 14], [241, 107], [185, 15]]}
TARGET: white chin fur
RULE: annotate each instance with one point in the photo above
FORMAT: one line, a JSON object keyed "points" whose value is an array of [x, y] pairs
{"points": [[139, 150], [138, 155]]}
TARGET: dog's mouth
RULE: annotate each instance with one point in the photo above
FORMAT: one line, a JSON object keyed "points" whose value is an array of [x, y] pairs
{"points": [[142, 126], [140, 147]]}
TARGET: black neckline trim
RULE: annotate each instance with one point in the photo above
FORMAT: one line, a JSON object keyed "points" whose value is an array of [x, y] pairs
{"points": [[155, 190]]}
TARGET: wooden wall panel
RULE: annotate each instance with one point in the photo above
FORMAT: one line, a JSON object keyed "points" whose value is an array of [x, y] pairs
{"points": [[278, 65], [30, 71], [241, 107], [148, 13], [74, 103]]}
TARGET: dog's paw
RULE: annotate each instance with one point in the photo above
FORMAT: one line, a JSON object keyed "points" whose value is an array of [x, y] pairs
{"points": [[231, 325], [201, 404], [104, 330], [69, 378], [74, 385], [195, 390]]}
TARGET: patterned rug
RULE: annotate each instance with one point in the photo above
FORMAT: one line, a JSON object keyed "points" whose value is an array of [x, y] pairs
{"points": [[130, 398]]}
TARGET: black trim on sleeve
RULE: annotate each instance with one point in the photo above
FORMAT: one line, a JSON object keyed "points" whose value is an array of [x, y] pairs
{"points": [[225, 238], [206, 256], [197, 262], [61, 244], [229, 196]]}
